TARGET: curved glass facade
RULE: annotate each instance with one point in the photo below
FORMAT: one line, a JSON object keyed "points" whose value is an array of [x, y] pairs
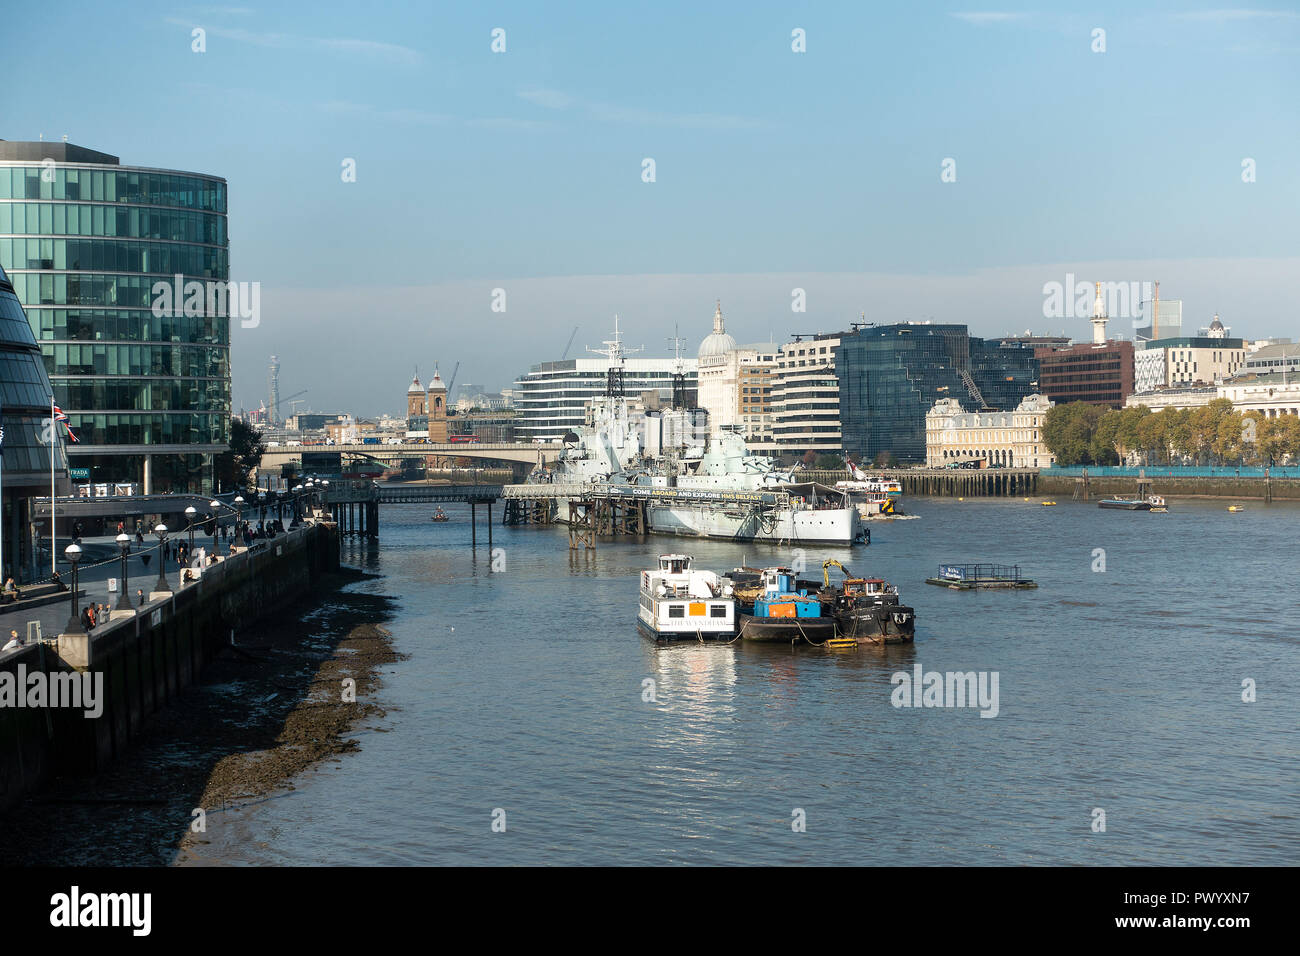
{"points": [[28, 436], [83, 244]]}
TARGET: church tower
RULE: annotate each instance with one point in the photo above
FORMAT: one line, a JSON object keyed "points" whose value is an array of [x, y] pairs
{"points": [[417, 423], [436, 407]]}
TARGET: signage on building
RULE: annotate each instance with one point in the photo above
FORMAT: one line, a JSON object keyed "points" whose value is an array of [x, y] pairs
{"points": [[79, 474]]}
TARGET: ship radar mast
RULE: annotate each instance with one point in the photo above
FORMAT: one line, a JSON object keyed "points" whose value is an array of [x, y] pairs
{"points": [[616, 354], [679, 371]]}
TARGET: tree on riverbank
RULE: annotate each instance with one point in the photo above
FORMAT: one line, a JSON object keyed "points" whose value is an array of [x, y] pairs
{"points": [[1068, 432], [1216, 433], [245, 454]]}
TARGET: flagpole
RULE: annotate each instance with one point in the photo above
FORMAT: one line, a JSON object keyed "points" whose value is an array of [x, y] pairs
{"points": [[2, 494], [53, 565]]}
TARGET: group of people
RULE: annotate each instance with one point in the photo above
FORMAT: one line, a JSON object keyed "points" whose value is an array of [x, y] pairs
{"points": [[93, 615]]}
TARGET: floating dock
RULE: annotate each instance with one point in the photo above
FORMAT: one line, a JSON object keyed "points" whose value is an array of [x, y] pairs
{"points": [[969, 577]]}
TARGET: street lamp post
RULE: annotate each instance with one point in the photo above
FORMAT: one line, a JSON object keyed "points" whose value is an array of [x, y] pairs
{"points": [[216, 521], [73, 554], [123, 601], [162, 585], [191, 513]]}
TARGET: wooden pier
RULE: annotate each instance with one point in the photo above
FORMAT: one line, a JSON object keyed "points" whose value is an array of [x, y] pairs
{"points": [[949, 482], [609, 510]]}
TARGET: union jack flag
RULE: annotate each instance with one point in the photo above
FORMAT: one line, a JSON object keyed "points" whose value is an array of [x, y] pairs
{"points": [[61, 416]]}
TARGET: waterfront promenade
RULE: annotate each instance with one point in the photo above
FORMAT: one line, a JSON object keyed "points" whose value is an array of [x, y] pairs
{"points": [[103, 561]]}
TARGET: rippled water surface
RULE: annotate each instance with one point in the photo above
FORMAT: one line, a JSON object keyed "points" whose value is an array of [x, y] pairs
{"points": [[1119, 690]]}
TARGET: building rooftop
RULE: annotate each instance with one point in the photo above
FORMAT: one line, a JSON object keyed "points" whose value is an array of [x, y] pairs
{"points": [[1264, 378], [1193, 342], [17, 151]]}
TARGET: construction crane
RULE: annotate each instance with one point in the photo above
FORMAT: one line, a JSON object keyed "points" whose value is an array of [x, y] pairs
{"points": [[572, 336], [287, 398], [453, 379]]}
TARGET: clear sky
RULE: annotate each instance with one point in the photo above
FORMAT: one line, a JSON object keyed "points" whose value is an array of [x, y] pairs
{"points": [[774, 170]]}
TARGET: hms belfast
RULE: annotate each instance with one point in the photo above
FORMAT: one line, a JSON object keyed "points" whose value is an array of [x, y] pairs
{"points": [[693, 487]]}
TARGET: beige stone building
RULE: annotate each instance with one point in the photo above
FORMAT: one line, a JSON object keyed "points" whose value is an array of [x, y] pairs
{"points": [[735, 384], [1011, 439]]}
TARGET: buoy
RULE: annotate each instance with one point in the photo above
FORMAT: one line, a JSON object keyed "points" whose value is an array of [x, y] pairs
{"points": [[961, 499]]}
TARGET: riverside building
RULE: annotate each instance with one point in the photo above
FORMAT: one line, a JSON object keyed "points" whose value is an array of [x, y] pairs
{"points": [[806, 398], [1011, 439], [890, 376], [735, 384], [28, 441], [85, 240], [551, 399], [1188, 360]]}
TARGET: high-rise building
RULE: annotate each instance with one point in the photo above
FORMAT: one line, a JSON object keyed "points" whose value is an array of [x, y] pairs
{"points": [[552, 397], [273, 408], [28, 437], [806, 398], [87, 243], [891, 375]]}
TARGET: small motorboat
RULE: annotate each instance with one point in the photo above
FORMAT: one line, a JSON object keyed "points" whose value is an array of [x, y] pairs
{"points": [[1048, 504], [440, 515], [1235, 509]]}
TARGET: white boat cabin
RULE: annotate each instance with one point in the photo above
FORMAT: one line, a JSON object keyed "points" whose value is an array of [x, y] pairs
{"points": [[678, 600]]}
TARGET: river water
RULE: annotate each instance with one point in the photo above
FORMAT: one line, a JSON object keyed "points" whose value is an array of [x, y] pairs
{"points": [[1119, 690]]}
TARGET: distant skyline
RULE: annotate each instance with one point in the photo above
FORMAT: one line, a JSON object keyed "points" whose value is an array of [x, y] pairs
{"points": [[774, 169]]}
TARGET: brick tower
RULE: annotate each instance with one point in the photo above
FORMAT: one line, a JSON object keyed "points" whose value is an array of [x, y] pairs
{"points": [[436, 406]]}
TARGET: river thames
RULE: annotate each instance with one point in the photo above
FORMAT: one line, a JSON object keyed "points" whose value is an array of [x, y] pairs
{"points": [[1120, 690]]}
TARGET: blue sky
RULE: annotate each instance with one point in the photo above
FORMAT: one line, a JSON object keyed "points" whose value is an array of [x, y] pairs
{"points": [[522, 170]]}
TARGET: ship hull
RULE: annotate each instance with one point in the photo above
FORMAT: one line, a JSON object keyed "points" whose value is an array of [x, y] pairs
{"points": [[786, 630], [881, 624], [839, 526]]}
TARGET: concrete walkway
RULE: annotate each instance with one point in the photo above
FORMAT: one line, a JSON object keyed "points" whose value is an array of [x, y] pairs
{"points": [[102, 560]]}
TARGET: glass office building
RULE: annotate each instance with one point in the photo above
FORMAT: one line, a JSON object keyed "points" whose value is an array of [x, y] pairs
{"points": [[891, 375], [84, 240], [28, 438]]}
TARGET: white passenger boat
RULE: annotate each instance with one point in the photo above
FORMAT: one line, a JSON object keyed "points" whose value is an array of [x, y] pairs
{"points": [[872, 485], [680, 603]]}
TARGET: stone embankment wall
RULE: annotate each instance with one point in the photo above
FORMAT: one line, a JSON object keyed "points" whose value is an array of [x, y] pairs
{"points": [[149, 657]]}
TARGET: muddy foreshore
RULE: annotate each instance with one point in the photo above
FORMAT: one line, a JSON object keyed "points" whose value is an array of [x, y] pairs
{"points": [[264, 712]]}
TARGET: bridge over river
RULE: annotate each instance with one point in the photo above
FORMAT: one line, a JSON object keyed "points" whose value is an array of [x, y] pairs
{"points": [[514, 453]]}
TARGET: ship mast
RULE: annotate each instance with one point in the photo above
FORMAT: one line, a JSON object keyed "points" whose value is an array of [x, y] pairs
{"points": [[616, 354]]}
